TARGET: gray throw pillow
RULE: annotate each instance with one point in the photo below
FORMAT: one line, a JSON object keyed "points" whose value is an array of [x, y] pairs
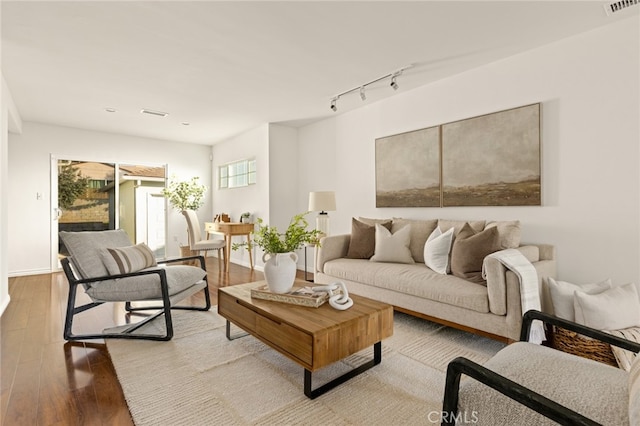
{"points": [[469, 250], [509, 231], [420, 231], [363, 239]]}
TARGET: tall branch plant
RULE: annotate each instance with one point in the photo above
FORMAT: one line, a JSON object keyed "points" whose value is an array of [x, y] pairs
{"points": [[185, 195]]}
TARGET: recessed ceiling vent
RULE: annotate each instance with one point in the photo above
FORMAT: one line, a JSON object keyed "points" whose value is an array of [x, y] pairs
{"points": [[158, 113], [618, 6]]}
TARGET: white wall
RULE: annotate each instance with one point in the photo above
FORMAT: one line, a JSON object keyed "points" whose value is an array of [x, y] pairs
{"points": [[4, 222], [275, 197], [283, 176], [253, 198], [10, 121], [29, 173], [318, 163], [589, 89]]}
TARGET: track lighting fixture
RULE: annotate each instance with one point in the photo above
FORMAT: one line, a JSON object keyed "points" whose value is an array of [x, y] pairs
{"points": [[394, 85]]}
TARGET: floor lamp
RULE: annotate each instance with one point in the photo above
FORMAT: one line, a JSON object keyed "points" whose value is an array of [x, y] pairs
{"points": [[323, 202]]}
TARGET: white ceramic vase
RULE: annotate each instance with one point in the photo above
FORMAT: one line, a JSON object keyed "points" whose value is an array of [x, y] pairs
{"points": [[280, 271]]}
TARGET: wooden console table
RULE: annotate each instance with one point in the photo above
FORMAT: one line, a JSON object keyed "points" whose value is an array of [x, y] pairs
{"points": [[230, 229]]}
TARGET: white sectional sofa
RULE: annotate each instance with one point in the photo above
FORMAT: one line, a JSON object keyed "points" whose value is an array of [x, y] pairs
{"points": [[492, 309]]}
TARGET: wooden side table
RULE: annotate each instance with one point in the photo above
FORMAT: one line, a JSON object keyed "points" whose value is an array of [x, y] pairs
{"points": [[229, 230]]}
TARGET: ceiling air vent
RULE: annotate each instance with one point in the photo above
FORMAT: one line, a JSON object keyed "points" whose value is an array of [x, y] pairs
{"points": [[617, 6], [158, 113]]}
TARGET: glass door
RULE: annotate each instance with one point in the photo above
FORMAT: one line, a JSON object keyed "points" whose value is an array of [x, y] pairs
{"points": [[86, 196], [85, 199], [142, 205]]}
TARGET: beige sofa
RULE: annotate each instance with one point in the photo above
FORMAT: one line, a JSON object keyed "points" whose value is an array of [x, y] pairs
{"points": [[492, 310]]}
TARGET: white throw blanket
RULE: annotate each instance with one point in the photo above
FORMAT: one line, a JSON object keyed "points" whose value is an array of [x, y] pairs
{"points": [[515, 261]]}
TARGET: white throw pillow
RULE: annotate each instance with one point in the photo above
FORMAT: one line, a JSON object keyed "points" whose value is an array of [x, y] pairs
{"points": [[562, 295], [437, 249], [613, 309], [392, 247]]}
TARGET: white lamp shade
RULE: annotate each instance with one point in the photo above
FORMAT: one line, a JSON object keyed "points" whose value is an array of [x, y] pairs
{"points": [[322, 201]]}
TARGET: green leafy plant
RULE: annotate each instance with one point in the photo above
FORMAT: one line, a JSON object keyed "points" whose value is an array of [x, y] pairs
{"points": [[185, 195], [271, 241], [71, 185]]}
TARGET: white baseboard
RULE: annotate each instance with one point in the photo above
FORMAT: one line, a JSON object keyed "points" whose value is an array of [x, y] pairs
{"points": [[29, 272], [4, 305]]}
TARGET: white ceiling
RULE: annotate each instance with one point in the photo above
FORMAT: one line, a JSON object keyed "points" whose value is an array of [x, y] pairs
{"points": [[226, 67]]}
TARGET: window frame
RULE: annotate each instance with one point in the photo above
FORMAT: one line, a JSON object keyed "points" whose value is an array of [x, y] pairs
{"points": [[237, 174]]}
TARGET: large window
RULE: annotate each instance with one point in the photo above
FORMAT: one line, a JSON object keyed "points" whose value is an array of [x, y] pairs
{"points": [[236, 174]]}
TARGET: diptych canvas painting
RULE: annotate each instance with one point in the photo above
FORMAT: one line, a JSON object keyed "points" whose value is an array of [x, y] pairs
{"points": [[490, 160]]}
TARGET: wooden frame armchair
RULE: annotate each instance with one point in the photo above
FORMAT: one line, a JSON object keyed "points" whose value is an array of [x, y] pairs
{"points": [[111, 270], [561, 387]]}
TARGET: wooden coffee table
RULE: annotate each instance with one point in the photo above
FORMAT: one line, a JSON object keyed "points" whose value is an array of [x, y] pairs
{"points": [[312, 337]]}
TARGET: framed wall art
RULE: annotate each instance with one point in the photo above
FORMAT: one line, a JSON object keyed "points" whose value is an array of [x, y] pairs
{"points": [[492, 160], [489, 160], [408, 169]]}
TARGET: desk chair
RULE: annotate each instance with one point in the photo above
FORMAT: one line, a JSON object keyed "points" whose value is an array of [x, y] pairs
{"points": [[197, 244]]}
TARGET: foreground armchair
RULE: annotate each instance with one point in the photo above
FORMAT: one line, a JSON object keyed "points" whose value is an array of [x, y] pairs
{"points": [[110, 269], [528, 384]]}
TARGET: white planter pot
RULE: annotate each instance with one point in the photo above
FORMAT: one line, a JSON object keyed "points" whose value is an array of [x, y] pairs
{"points": [[280, 271]]}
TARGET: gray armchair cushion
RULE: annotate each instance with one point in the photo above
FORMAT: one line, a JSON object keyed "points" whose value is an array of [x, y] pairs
{"points": [[595, 390], [84, 248], [179, 278]]}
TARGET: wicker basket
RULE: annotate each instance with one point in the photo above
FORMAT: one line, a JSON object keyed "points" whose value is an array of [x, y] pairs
{"points": [[577, 344]]}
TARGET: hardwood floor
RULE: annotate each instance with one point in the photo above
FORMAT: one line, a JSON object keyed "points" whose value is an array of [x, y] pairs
{"points": [[47, 381]]}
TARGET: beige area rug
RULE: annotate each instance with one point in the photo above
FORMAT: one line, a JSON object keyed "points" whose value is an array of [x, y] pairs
{"points": [[201, 378]]}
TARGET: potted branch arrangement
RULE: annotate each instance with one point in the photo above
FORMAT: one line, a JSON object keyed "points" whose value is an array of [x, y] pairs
{"points": [[185, 195], [279, 250]]}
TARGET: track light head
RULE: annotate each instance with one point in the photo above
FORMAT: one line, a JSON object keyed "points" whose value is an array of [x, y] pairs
{"points": [[334, 108], [394, 84], [362, 94]]}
